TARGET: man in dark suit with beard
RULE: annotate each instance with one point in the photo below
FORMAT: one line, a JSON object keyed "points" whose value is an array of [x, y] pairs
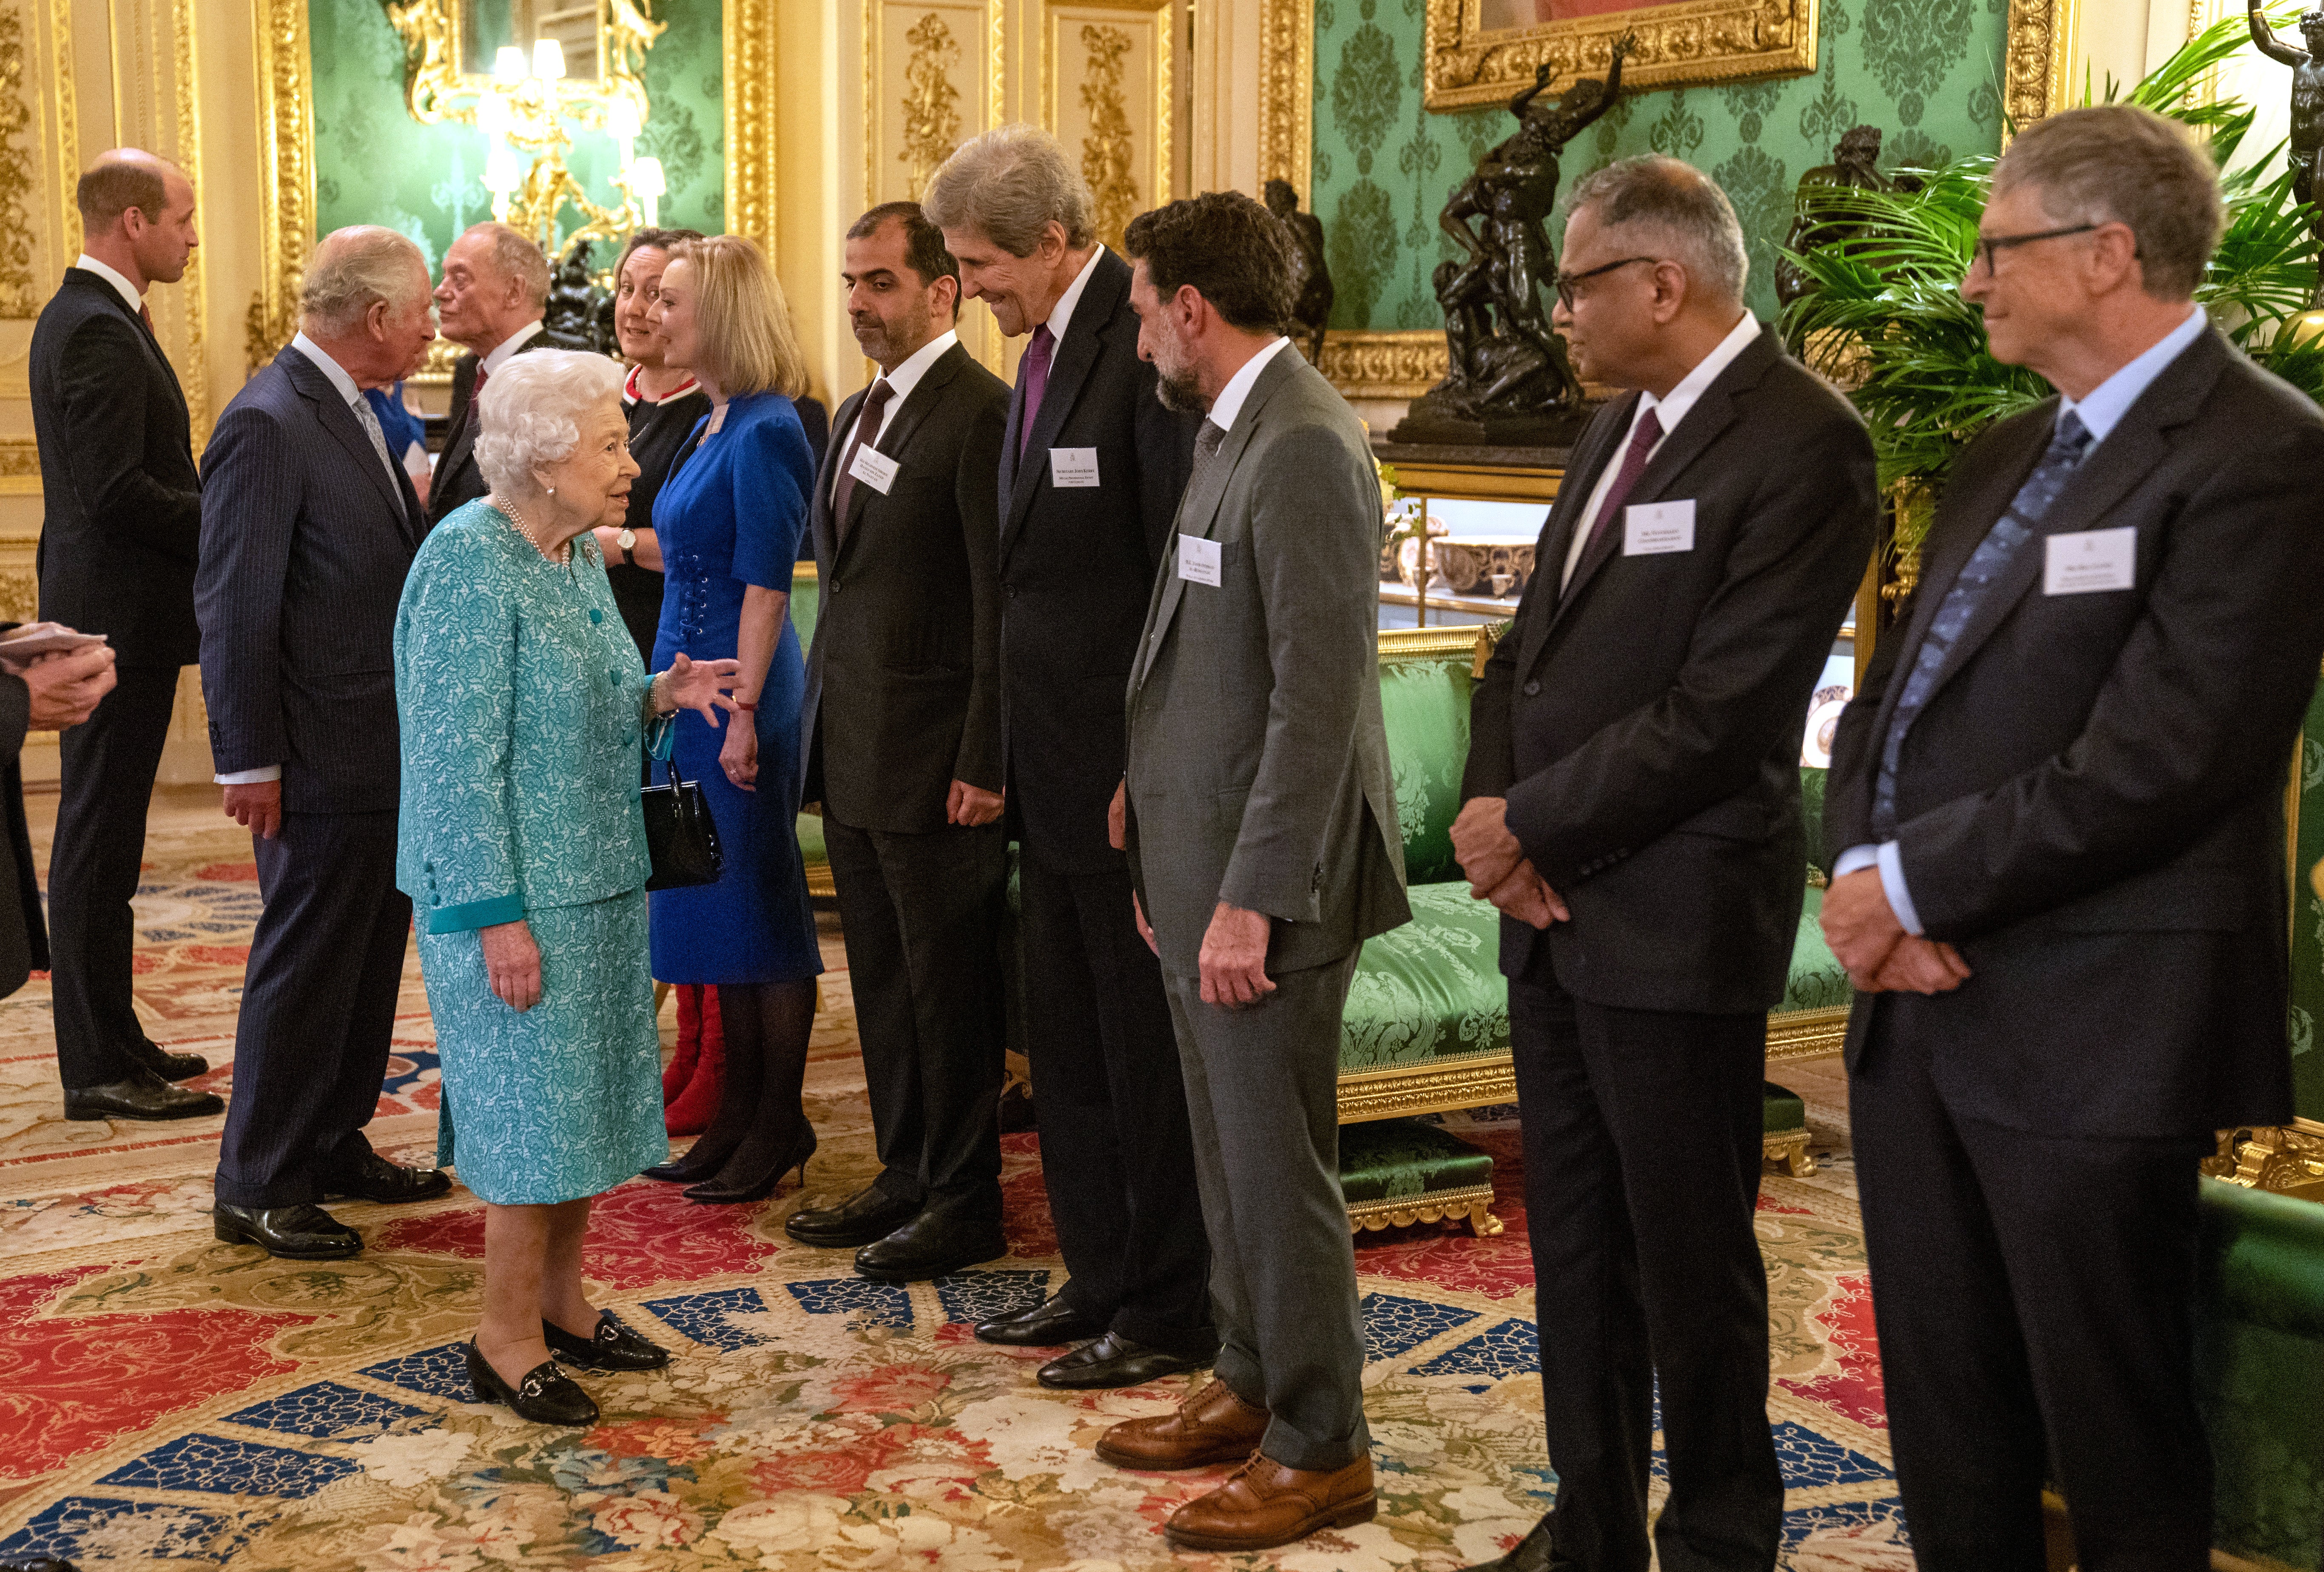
{"points": [[2055, 819], [902, 721], [1091, 473], [1633, 807], [121, 523], [309, 527]]}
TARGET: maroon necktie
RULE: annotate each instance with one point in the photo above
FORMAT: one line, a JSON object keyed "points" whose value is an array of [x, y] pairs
{"points": [[146, 311], [867, 427], [1037, 382], [1643, 438]]}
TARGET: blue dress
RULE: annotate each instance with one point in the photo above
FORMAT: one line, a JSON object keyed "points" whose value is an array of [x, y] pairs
{"points": [[731, 516], [522, 700]]}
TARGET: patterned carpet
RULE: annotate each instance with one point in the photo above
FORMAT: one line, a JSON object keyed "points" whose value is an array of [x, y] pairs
{"points": [[168, 1400]]}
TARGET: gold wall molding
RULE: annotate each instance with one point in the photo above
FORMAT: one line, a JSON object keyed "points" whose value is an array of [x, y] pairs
{"points": [[57, 66], [20, 180], [1106, 71], [1401, 365], [286, 152], [1286, 92], [1706, 42], [19, 457], [1109, 155], [931, 103], [2286, 1160], [748, 35], [2035, 58], [191, 292]]}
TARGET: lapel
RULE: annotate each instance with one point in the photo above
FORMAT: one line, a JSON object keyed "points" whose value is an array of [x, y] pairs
{"points": [[1600, 442], [1198, 510], [1076, 356], [332, 412], [113, 300], [825, 527], [2112, 471]]}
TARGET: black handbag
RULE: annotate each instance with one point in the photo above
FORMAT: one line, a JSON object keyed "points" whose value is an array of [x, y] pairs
{"points": [[680, 834]]}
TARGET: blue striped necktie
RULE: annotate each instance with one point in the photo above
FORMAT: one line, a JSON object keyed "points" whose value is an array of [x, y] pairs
{"points": [[1989, 562]]}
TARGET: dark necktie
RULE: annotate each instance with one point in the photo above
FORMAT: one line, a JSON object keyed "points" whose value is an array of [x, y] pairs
{"points": [[867, 427], [1207, 442], [146, 312], [1643, 438], [2009, 535], [1036, 381]]}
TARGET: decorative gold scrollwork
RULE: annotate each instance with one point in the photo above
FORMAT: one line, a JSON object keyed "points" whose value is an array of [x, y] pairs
{"points": [[1675, 46], [931, 103], [1108, 152], [19, 296]]}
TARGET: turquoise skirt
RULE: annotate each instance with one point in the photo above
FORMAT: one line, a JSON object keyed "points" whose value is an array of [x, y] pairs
{"points": [[563, 1100]]}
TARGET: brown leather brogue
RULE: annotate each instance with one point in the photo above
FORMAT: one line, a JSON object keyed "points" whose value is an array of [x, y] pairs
{"points": [[1264, 1504], [1212, 1426]]}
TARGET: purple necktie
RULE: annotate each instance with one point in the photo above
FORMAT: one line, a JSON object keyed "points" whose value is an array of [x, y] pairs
{"points": [[1643, 438], [1037, 382]]}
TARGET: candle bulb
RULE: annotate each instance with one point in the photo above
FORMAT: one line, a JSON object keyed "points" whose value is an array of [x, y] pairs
{"points": [[508, 63], [646, 185], [548, 59]]}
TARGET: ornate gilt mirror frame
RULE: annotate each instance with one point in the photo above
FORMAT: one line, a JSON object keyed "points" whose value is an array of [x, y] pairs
{"points": [[286, 127], [1678, 46], [1404, 365]]}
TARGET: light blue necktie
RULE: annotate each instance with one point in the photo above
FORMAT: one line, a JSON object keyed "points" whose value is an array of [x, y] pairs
{"points": [[1989, 562]]}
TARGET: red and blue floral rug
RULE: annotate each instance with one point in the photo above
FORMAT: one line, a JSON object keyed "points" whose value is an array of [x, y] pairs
{"points": [[168, 1401]]}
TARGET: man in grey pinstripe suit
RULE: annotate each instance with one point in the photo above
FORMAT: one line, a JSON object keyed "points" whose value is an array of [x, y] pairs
{"points": [[309, 527]]}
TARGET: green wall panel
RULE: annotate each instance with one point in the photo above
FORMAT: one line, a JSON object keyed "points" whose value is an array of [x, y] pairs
{"points": [[374, 164], [1925, 71]]}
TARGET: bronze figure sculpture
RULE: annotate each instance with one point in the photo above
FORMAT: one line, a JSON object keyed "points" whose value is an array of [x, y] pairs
{"points": [[1854, 166], [2306, 149], [1311, 277]]}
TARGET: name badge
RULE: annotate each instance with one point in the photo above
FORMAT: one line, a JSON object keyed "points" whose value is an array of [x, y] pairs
{"points": [[874, 468], [1198, 559], [2089, 560], [1653, 528], [1073, 466]]}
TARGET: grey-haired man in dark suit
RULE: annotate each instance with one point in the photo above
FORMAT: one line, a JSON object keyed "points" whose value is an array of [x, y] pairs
{"points": [[308, 528]]}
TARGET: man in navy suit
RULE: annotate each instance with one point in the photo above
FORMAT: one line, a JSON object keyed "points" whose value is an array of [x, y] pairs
{"points": [[122, 518], [309, 527]]}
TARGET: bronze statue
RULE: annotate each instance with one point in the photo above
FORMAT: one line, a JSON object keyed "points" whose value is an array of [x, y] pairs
{"points": [[576, 319], [1311, 277], [1508, 381], [2307, 153], [1854, 166]]}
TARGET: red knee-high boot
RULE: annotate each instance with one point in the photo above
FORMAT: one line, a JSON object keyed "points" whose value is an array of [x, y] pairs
{"points": [[681, 1070], [698, 1103]]}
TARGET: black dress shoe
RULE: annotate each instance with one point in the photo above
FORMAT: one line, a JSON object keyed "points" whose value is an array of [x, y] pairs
{"points": [[375, 1178], [35, 1564], [144, 1095], [613, 1345], [934, 1243], [546, 1396], [171, 1067], [870, 1214], [1533, 1553], [1051, 1323], [1114, 1360], [302, 1233]]}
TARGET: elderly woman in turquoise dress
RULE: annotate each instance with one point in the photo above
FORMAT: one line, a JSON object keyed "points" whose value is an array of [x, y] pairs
{"points": [[524, 708]]}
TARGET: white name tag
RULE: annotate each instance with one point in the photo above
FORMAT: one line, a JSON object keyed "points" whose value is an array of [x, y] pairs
{"points": [[1198, 559], [874, 469], [1073, 466], [1652, 528], [2089, 560]]}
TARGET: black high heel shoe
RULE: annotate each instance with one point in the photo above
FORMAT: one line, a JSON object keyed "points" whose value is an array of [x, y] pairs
{"points": [[711, 1193], [691, 1167], [613, 1345], [546, 1396]]}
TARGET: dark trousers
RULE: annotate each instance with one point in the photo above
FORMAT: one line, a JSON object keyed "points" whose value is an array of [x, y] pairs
{"points": [[106, 782], [317, 1007], [2034, 1298], [1116, 1151], [1642, 1151], [919, 913], [1263, 1085]]}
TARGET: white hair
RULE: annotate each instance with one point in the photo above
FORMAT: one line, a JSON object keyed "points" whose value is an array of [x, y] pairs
{"points": [[1011, 183], [353, 269], [530, 412], [1687, 216]]}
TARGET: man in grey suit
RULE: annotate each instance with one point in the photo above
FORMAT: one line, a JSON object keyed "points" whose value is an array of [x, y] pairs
{"points": [[309, 527], [1261, 831]]}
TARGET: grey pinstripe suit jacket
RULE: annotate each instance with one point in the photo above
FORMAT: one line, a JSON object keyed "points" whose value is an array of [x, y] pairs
{"points": [[305, 545]]}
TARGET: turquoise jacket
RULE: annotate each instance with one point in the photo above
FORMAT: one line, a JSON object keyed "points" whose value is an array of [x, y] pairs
{"points": [[524, 708]]}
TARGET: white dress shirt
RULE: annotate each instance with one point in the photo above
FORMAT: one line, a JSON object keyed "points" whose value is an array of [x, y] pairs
{"points": [[1062, 313], [511, 345], [1670, 410], [1231, 398], [901, 381], [128, 291], [2100, 413]]}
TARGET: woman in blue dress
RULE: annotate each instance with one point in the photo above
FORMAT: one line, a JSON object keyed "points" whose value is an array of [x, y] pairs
{"points": [[729, 521], [523, 706]]}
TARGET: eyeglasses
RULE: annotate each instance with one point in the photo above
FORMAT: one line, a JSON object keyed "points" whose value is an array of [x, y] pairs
{"points": [[1563, 283], [1987, 245]]}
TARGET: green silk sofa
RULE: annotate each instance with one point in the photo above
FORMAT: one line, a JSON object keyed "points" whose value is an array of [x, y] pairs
{"points": [[1427, 1023]]}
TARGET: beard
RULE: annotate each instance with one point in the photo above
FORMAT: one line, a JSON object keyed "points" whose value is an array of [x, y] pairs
{"points": [[880, 340], [1176, 388]]}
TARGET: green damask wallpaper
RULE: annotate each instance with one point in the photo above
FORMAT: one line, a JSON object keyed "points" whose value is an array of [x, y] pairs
{"points": [[1927, 72], [374, 164]]}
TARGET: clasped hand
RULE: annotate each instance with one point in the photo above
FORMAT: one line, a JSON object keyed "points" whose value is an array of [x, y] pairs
{"points": [[1880, 956], [1497, 865]]}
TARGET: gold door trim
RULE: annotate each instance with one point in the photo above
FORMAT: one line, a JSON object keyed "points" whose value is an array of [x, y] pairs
{"points": [[286, 153]]}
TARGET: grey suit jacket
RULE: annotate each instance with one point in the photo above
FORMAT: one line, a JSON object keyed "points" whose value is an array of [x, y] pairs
{"points": [[1259, 770]]}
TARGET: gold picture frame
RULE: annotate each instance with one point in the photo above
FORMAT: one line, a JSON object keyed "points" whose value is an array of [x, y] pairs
{"points": [[1679, 43]]}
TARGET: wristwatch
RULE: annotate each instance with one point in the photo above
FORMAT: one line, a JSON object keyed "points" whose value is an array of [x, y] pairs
{"points": [[627, 541]]}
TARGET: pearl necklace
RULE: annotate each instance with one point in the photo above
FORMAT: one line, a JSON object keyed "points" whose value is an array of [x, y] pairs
{"points": [[509, 510]]}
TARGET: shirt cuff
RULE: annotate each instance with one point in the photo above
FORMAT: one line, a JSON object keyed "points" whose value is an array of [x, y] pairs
{"points": [[250, 776], [1892, 881], [1855, 860]]}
